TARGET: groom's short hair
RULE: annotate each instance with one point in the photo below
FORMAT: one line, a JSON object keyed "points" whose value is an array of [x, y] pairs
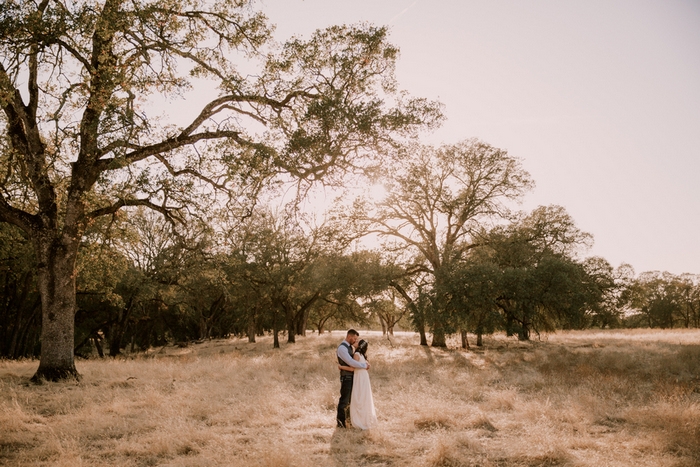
{"points": [[352, 332]]}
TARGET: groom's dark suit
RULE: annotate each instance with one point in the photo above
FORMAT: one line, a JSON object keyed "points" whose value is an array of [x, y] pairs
{"points": [[346, 378]]}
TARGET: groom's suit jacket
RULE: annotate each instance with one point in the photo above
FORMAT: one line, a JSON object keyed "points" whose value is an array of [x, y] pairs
{"points": [[343, 362]]}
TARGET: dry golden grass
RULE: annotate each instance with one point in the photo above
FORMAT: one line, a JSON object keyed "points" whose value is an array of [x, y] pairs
{"points": [[613, 398]]}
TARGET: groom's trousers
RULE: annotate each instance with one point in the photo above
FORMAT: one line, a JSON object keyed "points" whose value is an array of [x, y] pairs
{"points": [[344, 402]]}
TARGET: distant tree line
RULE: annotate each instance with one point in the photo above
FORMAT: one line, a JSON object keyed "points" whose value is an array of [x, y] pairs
{"points": [[144, 285]]}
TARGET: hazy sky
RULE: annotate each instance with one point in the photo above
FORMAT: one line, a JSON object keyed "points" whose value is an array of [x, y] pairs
{"points": [[599, 98]]}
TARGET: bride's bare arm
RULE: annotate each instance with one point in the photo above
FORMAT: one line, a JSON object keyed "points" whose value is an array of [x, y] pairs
{"points": [[356, 356], [346, 368]]}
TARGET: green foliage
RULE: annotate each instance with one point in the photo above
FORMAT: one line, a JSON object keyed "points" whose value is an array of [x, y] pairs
{"points": [[79, 140], [522, 277], [20, 305], [86, 165], [612, 286], [665, 300], [472, 289]]}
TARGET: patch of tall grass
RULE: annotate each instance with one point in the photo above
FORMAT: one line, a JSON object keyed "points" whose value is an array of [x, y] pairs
{"points": [[615, 398]]}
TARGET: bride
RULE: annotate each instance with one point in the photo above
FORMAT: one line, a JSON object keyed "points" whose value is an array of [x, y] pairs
{"points": [[362, 413]]}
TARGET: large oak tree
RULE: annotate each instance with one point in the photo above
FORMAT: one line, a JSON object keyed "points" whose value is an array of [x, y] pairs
{"points": [[438, 200], [80, 139]]}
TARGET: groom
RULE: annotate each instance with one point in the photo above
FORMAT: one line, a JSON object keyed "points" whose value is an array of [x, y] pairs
{"points": [[344, 353]]}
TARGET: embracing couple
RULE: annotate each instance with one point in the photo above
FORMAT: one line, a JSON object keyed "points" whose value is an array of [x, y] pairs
{"points": [[355, 389]]}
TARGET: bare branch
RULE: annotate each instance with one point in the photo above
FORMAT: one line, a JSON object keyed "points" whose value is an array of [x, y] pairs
{"points": [[166, 211], [74, 52], [23, 133], [192, 172]]}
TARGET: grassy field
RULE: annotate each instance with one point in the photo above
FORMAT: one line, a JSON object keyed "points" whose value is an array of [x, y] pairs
{"points": [[613, 398]]}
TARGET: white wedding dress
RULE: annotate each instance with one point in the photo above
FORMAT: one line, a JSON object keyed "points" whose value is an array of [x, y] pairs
{"points": [[362, 413]]}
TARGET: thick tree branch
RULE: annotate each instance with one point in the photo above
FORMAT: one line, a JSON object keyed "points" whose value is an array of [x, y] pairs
{"points": [[33, 85], [102, 68], [409, 301], [22, 219], [166, 211], [74, 52], [220, 103], [23, 132], [167, 145]]}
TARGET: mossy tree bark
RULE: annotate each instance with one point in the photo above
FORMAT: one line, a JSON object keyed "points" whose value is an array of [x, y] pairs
{"points": [[56, 280]]}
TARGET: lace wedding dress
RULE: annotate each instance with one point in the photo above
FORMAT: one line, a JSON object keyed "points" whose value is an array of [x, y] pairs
{"points": [[362, 413]]}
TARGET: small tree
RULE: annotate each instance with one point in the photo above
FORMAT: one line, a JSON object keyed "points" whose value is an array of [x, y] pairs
{"points": [[612, 284], [689, 291]]}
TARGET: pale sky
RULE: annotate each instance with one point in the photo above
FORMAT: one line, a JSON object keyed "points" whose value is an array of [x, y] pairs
{"points": [[599, 98]]}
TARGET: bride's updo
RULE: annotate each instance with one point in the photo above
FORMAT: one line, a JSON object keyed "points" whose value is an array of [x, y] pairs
{"points": [[362, 347]]}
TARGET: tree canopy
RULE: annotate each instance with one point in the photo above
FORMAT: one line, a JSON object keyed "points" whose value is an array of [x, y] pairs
{"points": [[76, 83], [438, 203]]}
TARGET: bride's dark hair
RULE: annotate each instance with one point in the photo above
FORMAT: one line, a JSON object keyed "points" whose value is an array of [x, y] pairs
{"points": [[362, 347]]}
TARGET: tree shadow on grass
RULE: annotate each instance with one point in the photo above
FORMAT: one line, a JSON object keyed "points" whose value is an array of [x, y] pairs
{"points": [[349, 446], [459, 359], [428, 353]]}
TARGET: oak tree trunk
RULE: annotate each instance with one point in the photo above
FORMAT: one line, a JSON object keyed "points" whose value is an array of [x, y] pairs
{"points": [[118, 328], [438, 339], [276, 337], [302, 322], [524, 332], [56, 280], [98, 345], [115, 340], [465, 340], [383, 323], [251, 333], [421, 333], [291, 331]]}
